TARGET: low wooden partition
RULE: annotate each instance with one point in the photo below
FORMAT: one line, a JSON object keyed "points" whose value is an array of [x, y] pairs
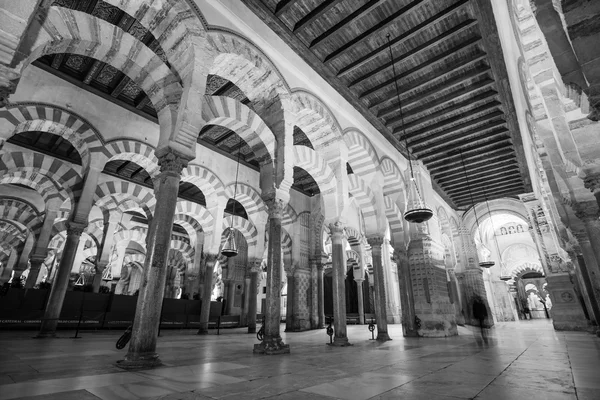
{"points": [[24, 308]]}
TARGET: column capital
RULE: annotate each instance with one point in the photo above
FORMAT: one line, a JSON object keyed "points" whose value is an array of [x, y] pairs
{"points": [[592, 182], [336, 227], [75, 228], [37, 258], [256, 266], [275, 207], [586, 211], [375, 240], [169, 161]]}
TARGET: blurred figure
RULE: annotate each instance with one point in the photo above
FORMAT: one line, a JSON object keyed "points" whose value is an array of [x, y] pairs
{"points": [[480, 313]]}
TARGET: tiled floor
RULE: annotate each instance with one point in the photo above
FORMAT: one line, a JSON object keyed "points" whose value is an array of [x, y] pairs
{"points": [[524, 360]]}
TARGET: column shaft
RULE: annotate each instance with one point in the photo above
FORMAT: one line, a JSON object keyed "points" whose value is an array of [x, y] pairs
{"points": [[252, 301], [339, 285], [379, 285], [289, 300], [361, 301], [61, 281], [272, 343], [209, 260], [142, 348], [321, 296], [245, 301]]}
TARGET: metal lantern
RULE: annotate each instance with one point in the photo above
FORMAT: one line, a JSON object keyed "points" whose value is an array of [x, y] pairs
{"points": [[417, 211], [107, 274], [487, 264], [230, 247]]}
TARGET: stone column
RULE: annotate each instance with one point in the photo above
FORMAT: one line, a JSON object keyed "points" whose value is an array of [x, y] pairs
{"points": [[272, 343], [301, 309], [321, 296], [583, 256], [339, 284], [472, 284], [430, 291], [40, 250], [142, 348], [245, 298], [209, 261], [361, 301], [106, 248], [289, 301], [590, 245], [253, 295], [406, 294], [380, 295], [61, 281]]}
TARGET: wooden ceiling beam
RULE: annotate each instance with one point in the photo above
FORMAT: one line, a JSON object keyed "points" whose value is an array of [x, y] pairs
{"points": [[485, 96], [465, 125], [92, 72], [120, 86], [143, 102], [474, 167], [492, 177], [497, 142], [121, 167], [491, 106], [365, 9], [427, 80], [455, 141], [500, 187], [480, 198], [57, 60], [472, 162], [464, 91], [455, 30], [283, 6], [314, 14], [136, 172], [382, 25], [403, 37], [438, 59], [225, 137]]}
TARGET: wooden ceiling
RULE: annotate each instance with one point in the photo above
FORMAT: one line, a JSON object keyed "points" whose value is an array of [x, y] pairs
{"points": [[448, 64]]}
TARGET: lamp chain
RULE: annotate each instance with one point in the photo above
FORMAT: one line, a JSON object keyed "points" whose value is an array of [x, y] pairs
{"points": [[462, 160]]}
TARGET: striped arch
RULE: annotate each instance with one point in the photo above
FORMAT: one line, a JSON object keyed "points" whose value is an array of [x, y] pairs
{"points": [[111, 194], [353, 236], [69, 31], [137, 235], [362, 156], [38, 182], [393, 181], [95, 229], [134, 151], [191, 226], [243, 225], [352, 255], [310, 161], [366, 201], [316, 120], [247, 196], [185, 249], [289, 215], [27, 117], [231, 114], [204, 179], [286, 244], [394, 217], [58, 239], [11, 234], [197, 212], [20, 211], [134, 258], [90, 252], [30, 164], [525, 268]]}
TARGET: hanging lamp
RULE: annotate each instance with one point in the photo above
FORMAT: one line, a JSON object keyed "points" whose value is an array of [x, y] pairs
{"points": [[416, 211], [493, 229], [230, 248], [482, 264]]}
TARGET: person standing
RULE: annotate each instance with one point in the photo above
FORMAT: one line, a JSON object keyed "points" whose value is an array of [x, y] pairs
{"points": [[480, 313]]}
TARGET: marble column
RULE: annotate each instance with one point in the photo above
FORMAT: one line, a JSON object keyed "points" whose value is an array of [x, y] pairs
{"points": [[321, 296], [245, 299], [35, 265], [40, 250], [272, 343], [142, 347], [361, 301], [380, 295], [61, 281], [406, 294], [253, 296], [209, 261], [588, 214], [581, 258], [289, 301], [339, 285]]}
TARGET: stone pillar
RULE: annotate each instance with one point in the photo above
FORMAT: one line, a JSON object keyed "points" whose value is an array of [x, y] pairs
{"points": [[407, 300], [582, 257], [455, 296], [590, 245], [391, 288], [209, 261], [106, 247], [40, 250], [253, 295], [289, 301], [321, 296], [472, 284], [301, 290], [142, 348], [430, 291], [380, 293], [361, 301], [245, 298], [339, 284], [61, 281], [272, 343]]}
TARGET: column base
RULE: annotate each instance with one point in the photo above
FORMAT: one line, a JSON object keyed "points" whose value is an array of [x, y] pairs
{"points": [[272, 346], [45, 335], [383, 337], [341, 342], [202, 331], [251, 329], [144, 361]]}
